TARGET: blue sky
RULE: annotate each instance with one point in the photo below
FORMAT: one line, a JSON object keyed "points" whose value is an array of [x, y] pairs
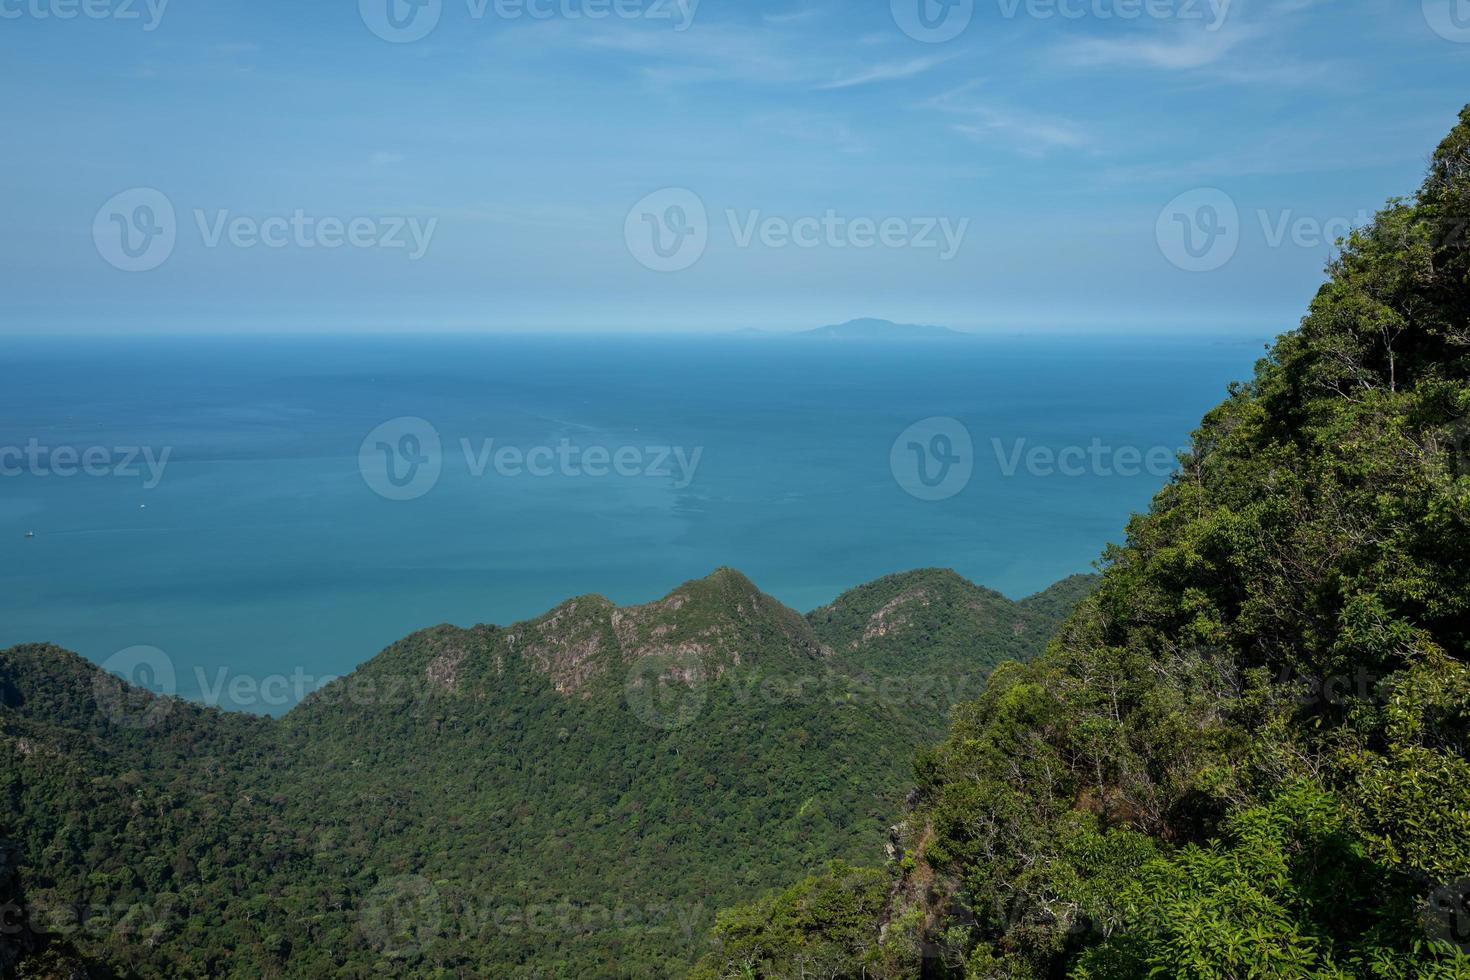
{"points": [[1064, 144]]}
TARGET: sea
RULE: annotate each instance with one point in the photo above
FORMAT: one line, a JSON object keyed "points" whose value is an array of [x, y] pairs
{"points": [[261, 514]]}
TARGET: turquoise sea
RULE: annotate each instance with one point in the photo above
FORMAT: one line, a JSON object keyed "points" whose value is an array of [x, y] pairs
{"points": [[264, 548]]}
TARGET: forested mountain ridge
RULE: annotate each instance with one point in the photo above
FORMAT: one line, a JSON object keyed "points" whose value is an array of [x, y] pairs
{"points": [[934, 614], [927, 622], [570, 796], [704, 628], [1244, 755]]}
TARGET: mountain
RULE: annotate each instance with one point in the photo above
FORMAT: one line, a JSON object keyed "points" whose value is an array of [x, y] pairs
{"points": [[865, 328], [573, 795], [869, 328], [934, 624], [1247, 752]]}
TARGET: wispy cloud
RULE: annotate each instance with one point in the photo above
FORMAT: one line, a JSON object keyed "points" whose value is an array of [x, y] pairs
{"points": [[733, 54], [794, 16], [1231, 51], [1028, 133], [1182, 52], [782, 50], [886, 72], [1029, 136]]}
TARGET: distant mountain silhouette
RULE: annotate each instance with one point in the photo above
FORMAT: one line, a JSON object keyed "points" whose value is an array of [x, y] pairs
{"points": [[869, 328], [864, 328]]}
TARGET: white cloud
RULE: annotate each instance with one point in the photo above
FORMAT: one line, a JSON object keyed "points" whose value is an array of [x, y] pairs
{"points": [[1029, 133], [795, 16], [1233, 52], [1030, 136], [886, 72], [1179, 53], [781, 50]]}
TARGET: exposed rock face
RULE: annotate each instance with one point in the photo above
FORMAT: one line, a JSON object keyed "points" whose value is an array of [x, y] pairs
{"points": [[451, 647], [718, 623], [701, 630], [565, 644], [894, 616], [706, 628], [893, 847]]}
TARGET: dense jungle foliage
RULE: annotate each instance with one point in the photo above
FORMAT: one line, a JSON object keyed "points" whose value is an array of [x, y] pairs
{"points": [[1245, 755], [572, 796]]}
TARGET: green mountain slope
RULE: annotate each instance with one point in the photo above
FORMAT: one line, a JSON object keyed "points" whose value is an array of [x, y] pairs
{"points": [[1245, 755], [940, 631], [570, 796]]}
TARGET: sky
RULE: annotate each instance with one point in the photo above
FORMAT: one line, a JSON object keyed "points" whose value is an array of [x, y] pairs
{"points": [[666, 165]]}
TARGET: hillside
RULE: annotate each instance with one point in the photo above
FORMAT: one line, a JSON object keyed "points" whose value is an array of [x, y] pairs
{"points": [[934, 624], [1245, 754], [573, 795]]}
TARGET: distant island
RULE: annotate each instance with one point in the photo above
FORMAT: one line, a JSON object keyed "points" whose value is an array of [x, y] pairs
{"points": [[869, 328], [864, 328]]}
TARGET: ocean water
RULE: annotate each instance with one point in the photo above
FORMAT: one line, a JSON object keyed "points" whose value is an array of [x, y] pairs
{"points": [[302, 520]]}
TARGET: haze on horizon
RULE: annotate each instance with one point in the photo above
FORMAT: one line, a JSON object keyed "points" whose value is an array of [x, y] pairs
{"points": [[1020, 166]]}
